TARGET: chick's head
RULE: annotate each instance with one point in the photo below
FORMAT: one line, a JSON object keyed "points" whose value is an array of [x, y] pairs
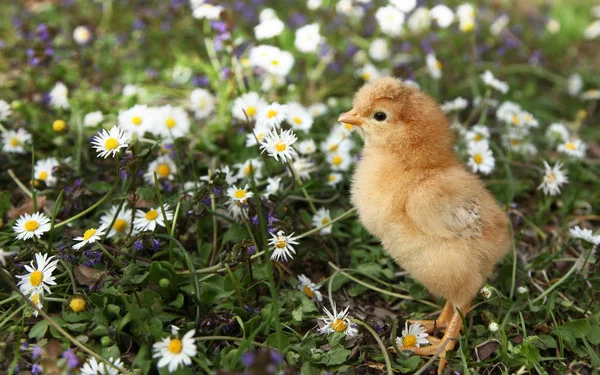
{"points": [[399, 118]]}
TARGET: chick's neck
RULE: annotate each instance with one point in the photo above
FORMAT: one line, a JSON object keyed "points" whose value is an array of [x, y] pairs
{"points": [[421, 155]]}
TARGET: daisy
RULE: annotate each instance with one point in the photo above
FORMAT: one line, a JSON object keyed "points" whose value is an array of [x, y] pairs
{"points": [[405, 6], [250, 167], [457, 104], [13, 141], [230, 178], [82, 35], [202, 102], [5, 110], [59, 96], [508, 111], [303, 168], [257, 135], [592, 31], [108, 143], [29, 225], [93, 367], [490, 81], [163, 166], [390, 20], [333, 179], [339, 161], [272, 59], [442, 15], [574, 148], [36, 297], [130, 90], [499, 25], [591, 94], [419, 21], [136, 119], [43, 171], [268, 28], [89, 236], [486, 292], [317, 109], [554, 178], [574, 84], [337, 322], [434, 66], [280, 145], [413, 336], [282, 246], [557, 132], [172, 122], [493, 327], [466, 17], [273, 185], [481, 158], [308, 38], [585, 234], [307, 147], [249, 104], [175, 351], [379, 49], [239, 195], [4, 255], [59, 126], [208, 11], [309, 288], [93, 119], [272, 115], [368, 72], [147, 221], [39, 278], [337, 143], [478, 133], [299, 117], [321, 218]]}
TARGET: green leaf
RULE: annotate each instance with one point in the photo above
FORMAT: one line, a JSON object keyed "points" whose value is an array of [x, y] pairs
{"points": [[39, 329], [408, 365], [4, 203], [76, 327], [594, 335], [236, 233], [99, 186], [178, 302], [338, 355]]}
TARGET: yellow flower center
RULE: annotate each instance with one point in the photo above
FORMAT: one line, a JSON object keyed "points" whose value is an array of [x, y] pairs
{"points": [[251, 111], [280, 146], [248, 169], [551, 177], [35, 298], [515, 142], [581, 114], [331, 177], [14, 142], [111, 144], [308, 291], [77, 304], [515, 120], [151, 215], [468, 26], [120, 225], [570, 145], [136, 120], [163, 170], [438, 64], [337, 160], [478, 158], [325, 221], [275, 62], [43, 175], [170, 123], [202, 104], [58, 126], [240, 193], [31, 225], [281, 244], [259, 137], [333, 148], [366, 76], [297, 120], [88, 234], [36, 278], [339, 325], [478, 138], [409, 341], [175, 346], [272, 113]]}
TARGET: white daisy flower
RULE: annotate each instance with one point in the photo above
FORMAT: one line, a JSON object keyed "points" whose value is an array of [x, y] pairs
{"points": [[303, 167], [339, 161], [250, 103], [379, 49], [29, 225], [457, 104], [108, 143], [442, 15], [574, 148], [258, 134], [5, 110], [481, 158], [93, 119], [508, 111], [522, 290], [13, 141], [147, 221], [308, 38], [43, 171], [405, 6], [585, 234], [413, 336], [272, 59], [337, 322], [322, 217], [122, 223], [130, 90], [499, 25], [82, 35], [558, 132], [554, 178], [239, 195], [93, 367], [281, 246], [251, 167], [39, 277], [59, 96], [317, 109], [478, 133], [553, 26], [267, 14], [337, 142], [466, 17], [171, 122], [268, 28], [273, 185], [592, 31], [419, 21], [208, 11], [309, 288], [280, 145], [434, 66], [486, 292], [334, 178], [390, 20], [368, 72], [137, 119], [314, 4], [493, 327], [272, 115], [164, 167], [174, 351], [4, 255], [574, 84], [36, 296], [299, 117], [593, 94], [491, 81], [307, 147], [89, 236], [202, 102]]}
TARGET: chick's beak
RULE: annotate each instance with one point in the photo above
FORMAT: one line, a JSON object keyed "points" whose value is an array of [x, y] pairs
{"points": [[350, 117]]}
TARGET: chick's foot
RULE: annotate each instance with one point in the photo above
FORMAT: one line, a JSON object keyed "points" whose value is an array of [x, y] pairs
{"points": [[440, 323]]}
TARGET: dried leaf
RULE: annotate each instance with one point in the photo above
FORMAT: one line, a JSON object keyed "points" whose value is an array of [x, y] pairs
{"points": [[89, 276], [485, 350], [27, 207]]}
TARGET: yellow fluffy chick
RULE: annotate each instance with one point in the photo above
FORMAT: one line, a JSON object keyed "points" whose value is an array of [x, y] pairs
{"points": [[433, 216]]}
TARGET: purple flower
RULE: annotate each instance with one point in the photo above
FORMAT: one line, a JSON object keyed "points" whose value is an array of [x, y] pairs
{"points": [[217, 191], [71, 357], [276, 356], [248, 359], [138, 245], [155, 245], [124, 174], [251, 250], [254, 220], [36, 352], [36, 369]]}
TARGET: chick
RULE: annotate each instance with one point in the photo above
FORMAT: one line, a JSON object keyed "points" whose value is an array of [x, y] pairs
{"points": [[433, 216]]}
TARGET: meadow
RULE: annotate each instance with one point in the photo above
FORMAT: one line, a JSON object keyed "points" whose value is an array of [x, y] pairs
{"points": [[174, 184]]}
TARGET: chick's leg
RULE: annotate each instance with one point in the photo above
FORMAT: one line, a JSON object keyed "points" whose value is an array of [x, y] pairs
{"points": [[441, 322]]}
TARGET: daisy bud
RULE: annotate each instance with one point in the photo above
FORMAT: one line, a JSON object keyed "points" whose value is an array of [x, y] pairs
{"points": [[59, 126], [493, 327]]}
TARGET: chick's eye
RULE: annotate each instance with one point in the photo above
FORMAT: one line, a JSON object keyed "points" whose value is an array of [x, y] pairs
{"points": [[380, 116]]}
